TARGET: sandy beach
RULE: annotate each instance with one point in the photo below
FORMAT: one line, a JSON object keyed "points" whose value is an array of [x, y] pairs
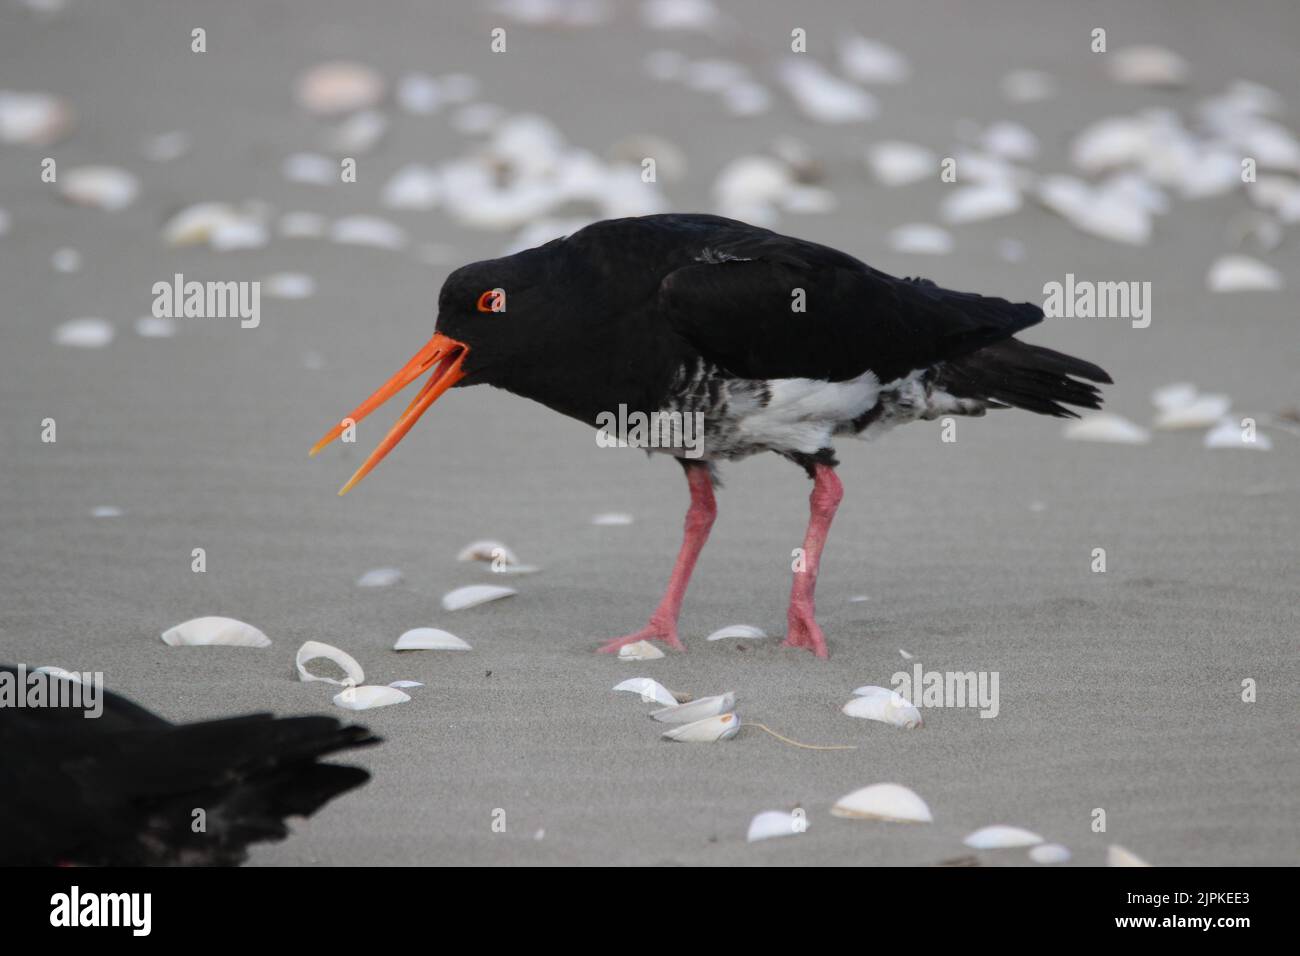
{"points": [[1119, 690]]}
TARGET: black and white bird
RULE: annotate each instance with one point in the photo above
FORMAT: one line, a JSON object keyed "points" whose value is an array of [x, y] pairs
{"points": [[128, 788], [783, 345]]}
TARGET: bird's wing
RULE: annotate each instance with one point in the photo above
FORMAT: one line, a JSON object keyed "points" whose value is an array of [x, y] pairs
{"points": [[739, 306]]}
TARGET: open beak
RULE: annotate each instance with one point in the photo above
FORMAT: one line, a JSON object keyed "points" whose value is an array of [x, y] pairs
{"points": [[447, 355]]}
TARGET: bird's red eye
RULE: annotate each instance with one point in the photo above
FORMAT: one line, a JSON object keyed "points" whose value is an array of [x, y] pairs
{"points": [[493, 300]]}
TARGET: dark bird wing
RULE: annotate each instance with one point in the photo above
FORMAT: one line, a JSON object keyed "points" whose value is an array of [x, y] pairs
{"points": [[124, 788], [735, 305]]}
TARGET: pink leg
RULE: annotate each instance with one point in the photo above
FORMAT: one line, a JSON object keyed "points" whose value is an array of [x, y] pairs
{"points": [[802, 624], [699, 519]]}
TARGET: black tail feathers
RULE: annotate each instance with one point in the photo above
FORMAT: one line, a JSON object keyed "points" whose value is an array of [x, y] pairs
{"points": [[1016, 374]]}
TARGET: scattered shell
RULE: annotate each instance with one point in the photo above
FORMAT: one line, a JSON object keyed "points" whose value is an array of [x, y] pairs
{"points": [[369, 696], [1010, 141], [315, 650], [700, 15], [884, 705], [379, 578], [419, 94], [290, 285], [688, 713], [473, 595], [1238, 273], [66, 260], [487, 550], [859, 599], [1201, 411], [1028, 86], [1049, 853], [402, 684], [706, 731], [870, 61], [651, 691], [1116, 855], [1177, 395], [1148, 66], [59, 672], [106, 511], [413, 187], [745, 631], [823, 96], [359, 133], [203, 631], [155, 327], [975, 203], [999, 836], [220, 225], [921, 238], [33, 119], [429, 639], [338, 87], [368, 231], [896, 163], [1107, 427], [611, 519], [775, 823], [103, 187], [905, 655], [639, 651], [84, 333], [311, 168], [1230, 434], [883, 801]]}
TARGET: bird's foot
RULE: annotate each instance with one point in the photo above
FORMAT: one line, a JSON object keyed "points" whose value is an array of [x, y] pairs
{"points": [[654, 631], [804, 631]]}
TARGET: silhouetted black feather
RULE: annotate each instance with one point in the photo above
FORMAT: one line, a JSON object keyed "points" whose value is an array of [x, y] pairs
{"points": [[1015, 373]]}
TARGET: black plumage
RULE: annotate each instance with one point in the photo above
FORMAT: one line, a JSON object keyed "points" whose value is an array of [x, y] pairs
{"points": [[122, 788]]}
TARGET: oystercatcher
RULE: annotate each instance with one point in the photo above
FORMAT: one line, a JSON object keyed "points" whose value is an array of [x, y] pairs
{"points": [[780, 344], [122, 788]]}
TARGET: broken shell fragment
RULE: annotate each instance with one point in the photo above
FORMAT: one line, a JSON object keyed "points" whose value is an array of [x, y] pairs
{"points": [[1231, 434], [338, 87], [776, 823], [921, 239], [33, 119], [401, 684], [707, 731], [1238, 273], [1201, 412], [696, 709], [487, 550], [379, 578], [84, 333], [651, 690], [1107, 427], [611, 519], [102, 187], [737, 630], [369, 697], [204, 631], [429, 639], [976, 203], [896, 163], [639, 651], [1116, 855], [473, 595], [1148, 66], [315, 650], [999, 836], [884, 705], [883, 801], [1049, 853]]}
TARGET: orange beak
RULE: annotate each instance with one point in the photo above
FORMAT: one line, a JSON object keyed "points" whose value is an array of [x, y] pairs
{"points": [[448, 355]]}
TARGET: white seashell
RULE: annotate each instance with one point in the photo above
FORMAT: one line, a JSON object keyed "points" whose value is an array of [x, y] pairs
{"points": [[106, 511], [1148, 66], [651, 691], [368, 231], [870, 61], [1202, 412], [245, 232], [379, 578], [707, 731], [419, 94], [896, 163], [1106, 427], [883, 705], [1028, 86], [1113, 214], [800, 198], [1230, 434], [358, 133], [921, 238], [639, 651], [315, 650], [1238, 273], [103, 187], [338, 87], [203, 631], [775, 823], [84, 333], [311, 168], [1114, 141], [58, 672], [859, 599], [1168, 398], [369, 696], [823, 96], [746, 99], [473, 595], [66, 261], [402, 684], [714, 75], [33, 119], [745, 631], [611, 519], [413, 187], [699, 15], [302, 225], [166, 147], [1000, 836], [1010, 141], [975, 203], [883, 801], [1049, 853], [905, 655], [290, 285], [487, 550], [195, 224], [1116, 855], [429, 639], [695, 710]]}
